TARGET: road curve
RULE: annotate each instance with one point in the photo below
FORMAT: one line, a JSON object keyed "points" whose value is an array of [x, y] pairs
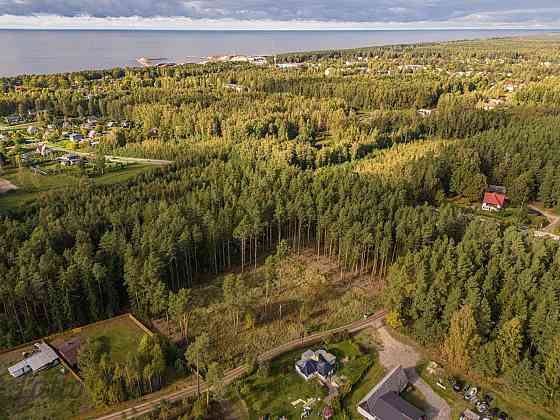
{"points": [[144, 407]]}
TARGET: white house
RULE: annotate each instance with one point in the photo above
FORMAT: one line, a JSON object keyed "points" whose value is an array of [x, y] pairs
{"points": [[43, 357]]}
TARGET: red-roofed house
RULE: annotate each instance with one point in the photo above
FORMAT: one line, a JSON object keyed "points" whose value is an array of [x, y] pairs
{"points": [[493, 201]]}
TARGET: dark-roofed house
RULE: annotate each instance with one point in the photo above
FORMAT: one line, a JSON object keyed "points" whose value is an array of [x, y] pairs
{"points": [[384, 403], [306, 368], [320, 363]]}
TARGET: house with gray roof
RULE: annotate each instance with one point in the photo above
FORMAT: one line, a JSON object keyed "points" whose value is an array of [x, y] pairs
{"points": [[383, 402], [43, 356]]}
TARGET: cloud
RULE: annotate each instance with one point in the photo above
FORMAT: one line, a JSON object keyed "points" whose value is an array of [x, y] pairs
{"points": [[381, 11]]}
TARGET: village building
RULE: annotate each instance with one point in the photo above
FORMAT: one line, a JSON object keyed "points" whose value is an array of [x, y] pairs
{"points": [[43, 357], [383, 402], [69, 160], [316, 363], [426, 112], [76, 137], [235, 87], [494, 199]]}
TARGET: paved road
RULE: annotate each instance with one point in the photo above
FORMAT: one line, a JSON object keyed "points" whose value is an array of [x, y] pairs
{"points": [[146, 406], [158, 162], [395, 353]]}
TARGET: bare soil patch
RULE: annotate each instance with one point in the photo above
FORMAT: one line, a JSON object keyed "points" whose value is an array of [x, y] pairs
{"points": [[6, 186]]}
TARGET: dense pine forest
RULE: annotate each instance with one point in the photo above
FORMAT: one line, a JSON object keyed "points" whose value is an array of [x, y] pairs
{"points": [[364, 156]]}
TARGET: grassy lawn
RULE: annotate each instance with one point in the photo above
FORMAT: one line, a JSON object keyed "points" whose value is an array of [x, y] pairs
{"points": [[31, 185], [48, 394], [122, 335], [503, 399]]}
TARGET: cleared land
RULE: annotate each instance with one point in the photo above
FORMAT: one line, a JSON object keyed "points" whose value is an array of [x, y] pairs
{"points": [[309, 294]]}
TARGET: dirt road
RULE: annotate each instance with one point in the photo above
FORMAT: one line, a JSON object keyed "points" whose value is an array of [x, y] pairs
{"points": [[395, 353], [149, 404], [553, 219]]}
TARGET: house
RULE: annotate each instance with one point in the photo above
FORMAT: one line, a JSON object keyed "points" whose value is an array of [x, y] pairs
{"points": [[75, 137], [43, 357], [233, 86], [42, 149], [383, 402], [69, 160], [286, 66], [492, 104], [426, 112], [493, 201], [316, 363]]}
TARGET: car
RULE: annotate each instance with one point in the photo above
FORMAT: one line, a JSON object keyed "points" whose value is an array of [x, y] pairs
{"points": [[457, 387], [471, 393], [502, 416], [482, 406]]}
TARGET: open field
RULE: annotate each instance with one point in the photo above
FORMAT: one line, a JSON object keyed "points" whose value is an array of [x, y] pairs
{"points": [[49, 394], [31, 185]]}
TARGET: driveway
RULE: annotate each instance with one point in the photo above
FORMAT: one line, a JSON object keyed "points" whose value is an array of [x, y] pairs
{"points": [[395, 353]]}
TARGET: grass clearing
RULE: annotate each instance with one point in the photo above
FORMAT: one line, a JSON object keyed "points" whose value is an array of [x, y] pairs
{"points": [[308, 295], [122, 334]]}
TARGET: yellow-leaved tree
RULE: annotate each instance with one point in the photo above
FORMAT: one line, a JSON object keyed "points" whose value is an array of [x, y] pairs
{"points": [[462, 340]]}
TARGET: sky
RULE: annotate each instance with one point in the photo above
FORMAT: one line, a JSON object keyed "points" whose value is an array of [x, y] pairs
{"points": [[280, 14]]}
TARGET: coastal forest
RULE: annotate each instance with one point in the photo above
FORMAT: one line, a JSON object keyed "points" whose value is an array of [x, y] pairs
{"points": [[376, 158]]}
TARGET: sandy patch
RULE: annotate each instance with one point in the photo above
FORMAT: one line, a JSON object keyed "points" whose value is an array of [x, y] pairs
{"points": [[6, 186]]}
